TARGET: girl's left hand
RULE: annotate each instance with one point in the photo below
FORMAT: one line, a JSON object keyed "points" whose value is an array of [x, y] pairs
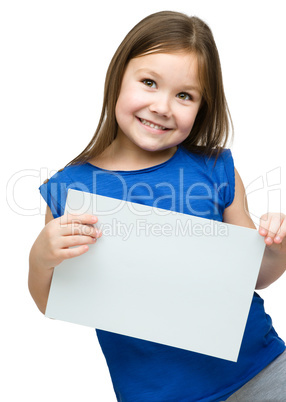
{"points": [[273, 229]]}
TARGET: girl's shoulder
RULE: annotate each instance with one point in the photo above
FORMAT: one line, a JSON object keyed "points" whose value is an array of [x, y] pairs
{"points": [[218, 159], [68, 173], [55, 189]]}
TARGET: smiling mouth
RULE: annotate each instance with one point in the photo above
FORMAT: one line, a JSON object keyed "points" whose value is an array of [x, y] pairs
{"points": [[152, 125]]}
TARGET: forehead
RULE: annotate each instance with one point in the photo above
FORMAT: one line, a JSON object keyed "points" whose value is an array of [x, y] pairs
{"points": [[182, 66]]}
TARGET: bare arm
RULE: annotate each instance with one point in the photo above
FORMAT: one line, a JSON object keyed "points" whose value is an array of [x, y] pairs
{"points": [[52, 247], [39, 280], [274, 260]]}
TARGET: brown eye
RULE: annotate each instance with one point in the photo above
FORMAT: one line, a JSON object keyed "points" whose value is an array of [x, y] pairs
{"points": [[184, 96], [149, 83]]}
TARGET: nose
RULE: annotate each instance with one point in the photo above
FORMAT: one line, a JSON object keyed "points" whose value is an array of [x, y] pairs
{"points": [[161, 105]]}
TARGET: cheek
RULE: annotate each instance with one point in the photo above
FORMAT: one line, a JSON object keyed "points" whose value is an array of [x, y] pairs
{"points": [[121, 108], [187, 123], [128, 105], [191, 117], [117, 110]]}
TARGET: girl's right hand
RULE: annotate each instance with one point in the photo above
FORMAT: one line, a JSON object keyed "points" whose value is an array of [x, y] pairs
{"points": [[52, 244]]}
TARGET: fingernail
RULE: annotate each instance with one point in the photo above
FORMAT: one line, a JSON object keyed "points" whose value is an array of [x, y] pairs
{"points": [[269, 240], [278, 238], [97, 233]]}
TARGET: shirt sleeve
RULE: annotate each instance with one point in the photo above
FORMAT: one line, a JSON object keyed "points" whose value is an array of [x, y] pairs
{"points": [[54, 191], [229, 172]]}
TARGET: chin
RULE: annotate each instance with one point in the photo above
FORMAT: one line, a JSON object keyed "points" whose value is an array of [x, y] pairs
{"points": [[150, 148]]}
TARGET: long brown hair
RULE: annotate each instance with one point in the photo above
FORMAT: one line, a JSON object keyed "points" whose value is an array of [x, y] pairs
{"points": [[167, 32]]}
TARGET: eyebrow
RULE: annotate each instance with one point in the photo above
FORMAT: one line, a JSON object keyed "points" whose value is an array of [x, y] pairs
{"points": [[147, 71], [186, 87]]}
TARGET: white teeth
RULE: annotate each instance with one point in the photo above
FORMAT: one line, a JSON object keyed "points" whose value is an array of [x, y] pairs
{"points": [[147, 123]]}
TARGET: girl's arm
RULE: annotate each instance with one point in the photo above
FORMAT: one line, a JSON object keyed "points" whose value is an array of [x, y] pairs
{"points": [[272, 228], [52, 246], [39, 281]]}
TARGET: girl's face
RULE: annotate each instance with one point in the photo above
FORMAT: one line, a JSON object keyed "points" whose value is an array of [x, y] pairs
{"points": [[158, 101]]}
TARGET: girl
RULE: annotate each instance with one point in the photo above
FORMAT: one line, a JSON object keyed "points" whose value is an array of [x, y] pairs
{"points": [[165, 118]]}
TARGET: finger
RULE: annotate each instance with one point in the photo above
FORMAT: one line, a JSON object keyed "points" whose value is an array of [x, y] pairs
{"points": [[281, 234], [77, 240], [274, 226], [264, 224], [81, 219], [270, 227], [74, 252], [77, 228]]}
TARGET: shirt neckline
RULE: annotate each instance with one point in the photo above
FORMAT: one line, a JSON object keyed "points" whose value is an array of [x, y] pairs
{"points": [[144, 170]]}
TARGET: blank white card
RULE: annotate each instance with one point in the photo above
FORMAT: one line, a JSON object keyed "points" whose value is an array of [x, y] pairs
{"points": [[160, 276]]}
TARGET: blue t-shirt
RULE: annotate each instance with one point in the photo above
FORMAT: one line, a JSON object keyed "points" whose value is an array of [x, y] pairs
{"points": [[144, 371]]}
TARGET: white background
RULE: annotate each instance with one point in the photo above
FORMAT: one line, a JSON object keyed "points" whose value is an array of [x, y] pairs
{"points": [[54, 56]]}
